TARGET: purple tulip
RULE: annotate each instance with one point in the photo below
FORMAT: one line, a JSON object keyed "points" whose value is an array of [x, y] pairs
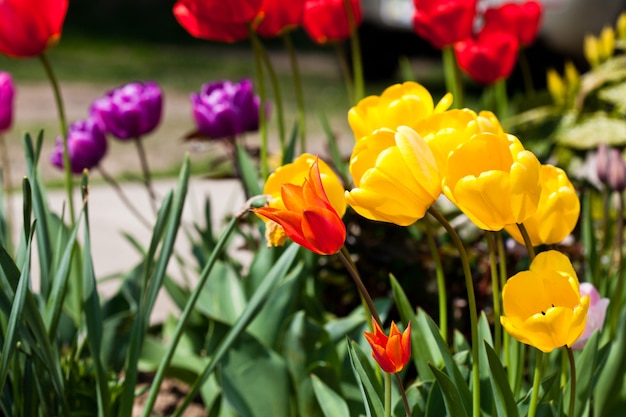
{"points": [[225, 109], [595, 315], [131, 110], [87, 145], [7, 93]]}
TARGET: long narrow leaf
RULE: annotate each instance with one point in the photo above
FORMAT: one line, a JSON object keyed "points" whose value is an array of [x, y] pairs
{"points": [[370, 387], [500, 388], [451, 395], [330, 402], [278, 271]]}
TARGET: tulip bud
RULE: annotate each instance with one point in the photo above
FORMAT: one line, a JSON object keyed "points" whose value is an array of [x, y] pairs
{"points": [[607, 43], [621, 26], [131, 110], [595, 315], [602, 162], [87, 145], [556, 87], [591, 50], [7, 93], [617, 171]]}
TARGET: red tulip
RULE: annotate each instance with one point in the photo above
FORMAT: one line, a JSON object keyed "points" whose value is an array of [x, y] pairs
{"points": [[391, 352], [444, 22], [217, 20], [488, 57], [308, 218], [29, 27], [277, 16], [520, 19], [327, 20]]}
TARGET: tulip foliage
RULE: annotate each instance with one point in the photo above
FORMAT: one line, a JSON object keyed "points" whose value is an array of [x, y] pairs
{"points": [[306, 300]]}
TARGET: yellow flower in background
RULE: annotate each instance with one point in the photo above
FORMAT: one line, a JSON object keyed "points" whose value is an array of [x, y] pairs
{"points": [[591, 50], [601, 48], [557, 212], [493, 180], [399, 105], [296, 172], [620, 26], [543, 306], [607, 43], [396, 178]]}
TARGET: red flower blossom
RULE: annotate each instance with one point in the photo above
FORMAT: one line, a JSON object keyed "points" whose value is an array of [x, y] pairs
{"points": [[489, 56], [327, 20], [277, 16], [444, 22], [308, 218], [391, 352], [29, 27], [522, 20], [217, 20]]}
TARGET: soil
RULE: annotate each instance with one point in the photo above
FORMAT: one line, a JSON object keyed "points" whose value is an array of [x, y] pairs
{"points": [[171, 394]]}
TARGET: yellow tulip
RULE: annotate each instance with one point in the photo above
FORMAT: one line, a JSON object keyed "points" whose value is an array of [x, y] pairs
{"points": [[493, 180], [557, 211], [395, 175], [543, 306], [399, 105]]}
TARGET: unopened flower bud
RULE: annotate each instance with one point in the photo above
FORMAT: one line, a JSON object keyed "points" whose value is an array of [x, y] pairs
{"points": [[7, 93], [602, 162], [617, 171]]}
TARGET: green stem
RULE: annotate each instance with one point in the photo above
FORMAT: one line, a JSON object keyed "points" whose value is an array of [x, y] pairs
{"points": [[182, 322], [262, 118], [118, 190], [69, 183], [495, 290], [355, 47], [145, 169], [345, 70], [278, 98], [526, 73], [508, 349], [387, 377], [501, 98], [572, 378], [616, 306], [8, 191], [536, 384], [471, 299], [527, 242], [441, 281], [347, 262], [297, 81], [452, 76]]}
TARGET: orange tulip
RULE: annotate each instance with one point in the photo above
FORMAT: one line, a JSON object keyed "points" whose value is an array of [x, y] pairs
{"points": [[391, 352], [308, 217], [29, 27]]}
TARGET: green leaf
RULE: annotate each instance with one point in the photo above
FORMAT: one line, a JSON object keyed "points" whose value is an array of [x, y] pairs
{"points": [[500, 388], [370, 385], [255, 381], [222, 297], [335, 154], [451, 395], [332, 404], [249, 173], [592, 130], [290, 150], [588, 367]]}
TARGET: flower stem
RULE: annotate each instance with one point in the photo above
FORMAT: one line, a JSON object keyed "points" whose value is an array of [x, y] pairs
{"points": [[501, 98], [355, 48], [536, 384], [441, 281], [495, 290], [529, 245], [471, 299], [8, 190], [452, 76], [619, 244], [145, 169], [116, 187], [345, 70], [262, 117], [526, 73], [572, 378], [297, 81], [387, 377], [69, 183], [278, 98]]}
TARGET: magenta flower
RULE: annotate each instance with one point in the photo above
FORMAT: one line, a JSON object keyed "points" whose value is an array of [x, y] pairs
{"points": [[131, 110], [595, 315], [224, 109], [7, 94], [87, 145]]}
